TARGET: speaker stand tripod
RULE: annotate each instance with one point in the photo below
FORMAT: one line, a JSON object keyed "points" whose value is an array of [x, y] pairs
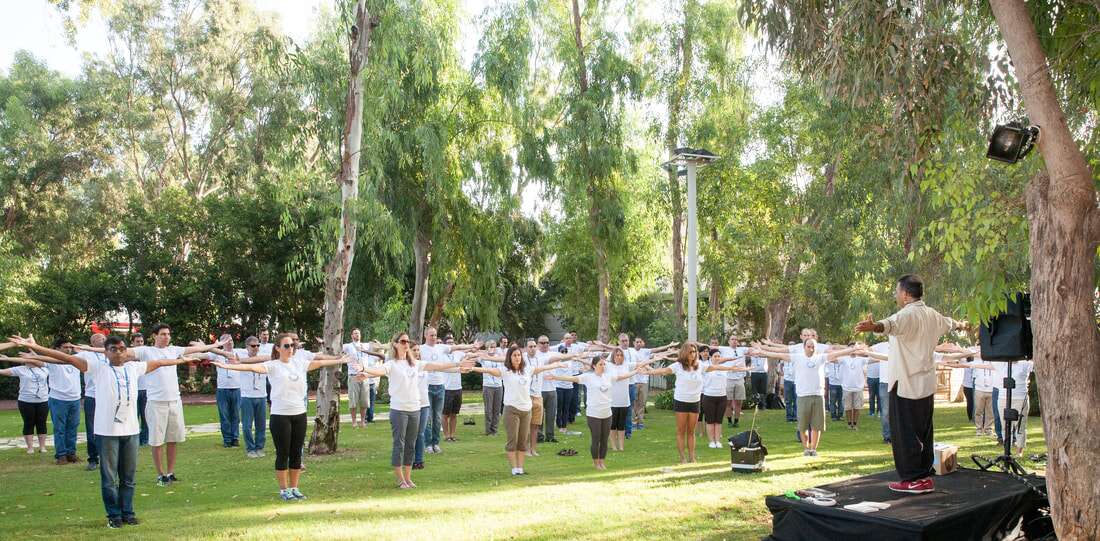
{"points": [[1006, 462]]}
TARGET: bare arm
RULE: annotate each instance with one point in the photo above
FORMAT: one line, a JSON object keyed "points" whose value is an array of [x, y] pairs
{"points": [[79, 363], [545, 367], [204, 348], [495, 372], [23, 360], [237, 367], [573, 379], [157, 363], [782, 355], [833, 356]]}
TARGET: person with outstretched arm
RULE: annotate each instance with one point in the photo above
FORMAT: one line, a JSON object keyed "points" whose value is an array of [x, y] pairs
{"points": [[914, 332], [287, 375], [116, 424]]}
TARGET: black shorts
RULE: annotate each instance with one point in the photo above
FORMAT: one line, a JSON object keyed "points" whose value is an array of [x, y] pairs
{"points": [[714, 407], [452, 402], [618, 417], [685, 407]]}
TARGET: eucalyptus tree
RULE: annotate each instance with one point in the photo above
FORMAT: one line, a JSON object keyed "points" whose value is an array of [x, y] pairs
{"points": [[930, 60]]}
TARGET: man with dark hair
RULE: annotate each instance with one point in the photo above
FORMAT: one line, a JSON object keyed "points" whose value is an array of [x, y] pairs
{"points": [[913, 331], [164, 409], [116, 424]]}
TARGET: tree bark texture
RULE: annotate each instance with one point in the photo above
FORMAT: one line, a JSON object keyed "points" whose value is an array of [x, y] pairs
{"points": [[326, 426], [1064, 225]]}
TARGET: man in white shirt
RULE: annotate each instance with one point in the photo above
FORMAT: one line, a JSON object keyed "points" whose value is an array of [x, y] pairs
{"points": [[432, 351], [116, 421], [639, 353], [137, 340], [360, 398], [91, 356], [735, 381], [228, 394], [492, 389], [914, 332], [852, 380], [874, 400], [253, 402], [164, 410], [566, 390], [452, 397]]}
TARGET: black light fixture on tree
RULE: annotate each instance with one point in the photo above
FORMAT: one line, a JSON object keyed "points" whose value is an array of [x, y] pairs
{"points": [[1011, 142]]}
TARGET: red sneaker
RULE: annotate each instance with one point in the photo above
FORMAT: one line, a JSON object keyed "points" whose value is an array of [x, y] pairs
{"points": [[920, 486]]}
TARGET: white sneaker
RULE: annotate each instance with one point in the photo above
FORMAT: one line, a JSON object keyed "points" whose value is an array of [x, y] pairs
{"points": [[436, 449], [428, 449]]}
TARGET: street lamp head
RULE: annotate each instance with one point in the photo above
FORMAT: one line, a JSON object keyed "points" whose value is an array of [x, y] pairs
{"points": [[697, 155]]}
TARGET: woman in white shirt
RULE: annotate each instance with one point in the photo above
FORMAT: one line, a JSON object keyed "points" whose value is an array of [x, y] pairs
{"points": [[406, 375], [713, 402], [599, 403], [33, 402], [516, 375], [287, 376], [620, 394], [689, 388]]}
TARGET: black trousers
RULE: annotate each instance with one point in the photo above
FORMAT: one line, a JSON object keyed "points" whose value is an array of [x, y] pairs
{"points": [[968, 392], [34, 417], [289, 434], [911, 435]]}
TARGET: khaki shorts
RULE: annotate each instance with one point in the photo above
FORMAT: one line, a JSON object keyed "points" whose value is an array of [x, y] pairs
{"points": [[536, 410], [165, 419], [358, 393], [735, 390], [811, 413], [853, 400]]}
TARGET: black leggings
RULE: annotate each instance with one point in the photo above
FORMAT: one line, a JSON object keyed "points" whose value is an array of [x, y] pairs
{"points": [[601, 429], [34, 417], [289, 434]]}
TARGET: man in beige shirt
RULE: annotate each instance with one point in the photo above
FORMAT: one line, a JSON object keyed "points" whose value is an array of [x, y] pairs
{"points": [[913, 331]]}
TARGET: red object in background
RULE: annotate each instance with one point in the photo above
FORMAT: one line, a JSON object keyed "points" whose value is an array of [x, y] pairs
{"points": [[108, 329]]}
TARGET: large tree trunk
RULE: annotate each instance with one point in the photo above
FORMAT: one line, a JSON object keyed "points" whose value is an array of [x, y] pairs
{"points": [[440, 304], [672, 142], [422, 252], [595, 198], [326, 426], [1064, 230], [776, 313]]}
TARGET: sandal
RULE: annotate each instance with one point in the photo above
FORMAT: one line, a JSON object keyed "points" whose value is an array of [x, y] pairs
{"points": [[567, 452]]}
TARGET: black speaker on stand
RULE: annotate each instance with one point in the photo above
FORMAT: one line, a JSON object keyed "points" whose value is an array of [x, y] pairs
{"points": [[1007, 338]]}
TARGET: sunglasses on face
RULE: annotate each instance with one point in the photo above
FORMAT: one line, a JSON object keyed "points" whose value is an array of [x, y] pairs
{"points": [[403, 341], [288, 346], [544, 343], [253, 345]]}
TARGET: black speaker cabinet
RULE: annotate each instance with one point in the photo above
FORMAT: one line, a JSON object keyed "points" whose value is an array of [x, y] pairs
{"points": [[1007, 336]]}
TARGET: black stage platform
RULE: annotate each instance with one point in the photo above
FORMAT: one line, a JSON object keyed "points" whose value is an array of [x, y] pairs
{"points": [[967, 504]]}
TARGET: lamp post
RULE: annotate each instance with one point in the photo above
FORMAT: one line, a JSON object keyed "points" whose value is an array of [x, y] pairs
{"points": [[692, 159]]}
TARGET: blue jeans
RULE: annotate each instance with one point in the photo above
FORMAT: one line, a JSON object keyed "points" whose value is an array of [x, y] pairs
{"points": [[254, 419], [836, 401], [116, 474], [565, 402], [370, 409], [89, 429], [874, 401], [633, 393], [418, 457], [143, 436], [229, 414], [435, 427], [997, 414], [65, 415], [884, 410], [575, 402], [791, 400]]}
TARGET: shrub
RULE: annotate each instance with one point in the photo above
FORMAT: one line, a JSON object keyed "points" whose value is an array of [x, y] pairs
{"points": [[663, 400]]}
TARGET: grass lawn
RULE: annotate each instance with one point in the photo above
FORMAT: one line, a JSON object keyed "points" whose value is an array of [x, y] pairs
{"points": [[465, 493]]}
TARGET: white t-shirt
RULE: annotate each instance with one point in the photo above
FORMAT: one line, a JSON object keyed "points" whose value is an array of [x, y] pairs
{"points": [[164, 384], [404, 385], [689, 384], [1021, 373], [598, 390], [809, 374], [641, 356], [620, 388], [714, 383], [489, 380], [34, 384], [884, 370], [89, 379], [759, 365], [288, 385], [265, 349], [733, 377], [873, 370], [453, 381], [64, 382], [358, 358], [439, 353], [851, 373], [228, 379], [538, 382], [517, 387], [253, 385], [116, 398], [832, 373]]}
